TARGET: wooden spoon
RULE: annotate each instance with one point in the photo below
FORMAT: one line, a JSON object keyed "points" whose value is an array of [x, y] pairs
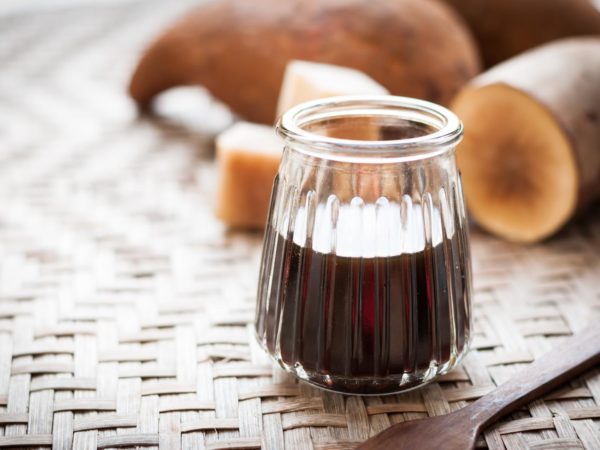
{"points": [[459, 430]]}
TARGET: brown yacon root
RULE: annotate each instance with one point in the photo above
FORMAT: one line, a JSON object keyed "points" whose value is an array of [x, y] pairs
{"points": [[238, 49], [530, 157], [505, 28]]}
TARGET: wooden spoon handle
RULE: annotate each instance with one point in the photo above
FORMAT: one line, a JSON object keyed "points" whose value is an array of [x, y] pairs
{"points": [[575, 355]]}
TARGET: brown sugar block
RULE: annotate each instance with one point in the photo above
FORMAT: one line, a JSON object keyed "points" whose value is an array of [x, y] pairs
{"points": [[248, 157], [304, 81]]}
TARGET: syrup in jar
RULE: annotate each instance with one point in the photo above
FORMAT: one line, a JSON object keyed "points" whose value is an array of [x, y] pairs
{"points": [[365, 277]]}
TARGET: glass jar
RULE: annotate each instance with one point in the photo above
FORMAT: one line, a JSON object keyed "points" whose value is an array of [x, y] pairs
{"points": [[365, 279]]}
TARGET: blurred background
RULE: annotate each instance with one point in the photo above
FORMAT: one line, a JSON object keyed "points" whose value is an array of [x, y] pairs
{"points": [[66, 68]]}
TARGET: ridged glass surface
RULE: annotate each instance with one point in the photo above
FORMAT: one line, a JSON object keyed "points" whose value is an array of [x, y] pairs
{"points": [[365, 275], [365, 279]]}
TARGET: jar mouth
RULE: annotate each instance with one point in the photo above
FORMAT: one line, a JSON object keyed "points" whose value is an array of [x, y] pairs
{"points": [[370, 127]]}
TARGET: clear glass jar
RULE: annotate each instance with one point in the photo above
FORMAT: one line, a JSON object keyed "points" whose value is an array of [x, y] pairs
{"points": [[365, 279]]}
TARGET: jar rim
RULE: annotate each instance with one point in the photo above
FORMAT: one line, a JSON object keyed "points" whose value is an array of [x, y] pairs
{"points": [[448, 127]]}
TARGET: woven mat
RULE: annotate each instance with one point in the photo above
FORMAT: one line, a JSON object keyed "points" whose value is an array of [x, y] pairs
{"points": [[125, 307]]}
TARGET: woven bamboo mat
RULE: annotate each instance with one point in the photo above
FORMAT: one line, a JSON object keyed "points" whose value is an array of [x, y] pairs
{"points": [[125, 307]]}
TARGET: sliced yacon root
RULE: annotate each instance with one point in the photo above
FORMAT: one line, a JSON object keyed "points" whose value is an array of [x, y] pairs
{"points": [[530, 157], [518, 168]]}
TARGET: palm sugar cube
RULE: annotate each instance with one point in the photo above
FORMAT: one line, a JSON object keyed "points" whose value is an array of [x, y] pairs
{"points": [[304, 81], [248, 158]]}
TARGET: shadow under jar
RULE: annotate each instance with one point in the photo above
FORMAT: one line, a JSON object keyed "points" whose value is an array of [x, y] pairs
{"points": [[365, 279]]}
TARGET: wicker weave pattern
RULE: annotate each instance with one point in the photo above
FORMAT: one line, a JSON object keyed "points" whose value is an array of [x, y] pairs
{"points": [[125, 307]]}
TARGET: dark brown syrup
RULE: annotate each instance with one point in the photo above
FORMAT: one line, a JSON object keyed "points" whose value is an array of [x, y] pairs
{"points": [[341, 319]]}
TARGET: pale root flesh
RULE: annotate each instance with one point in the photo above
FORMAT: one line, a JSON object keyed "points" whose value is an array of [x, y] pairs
{"points": [[518, 167]]}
